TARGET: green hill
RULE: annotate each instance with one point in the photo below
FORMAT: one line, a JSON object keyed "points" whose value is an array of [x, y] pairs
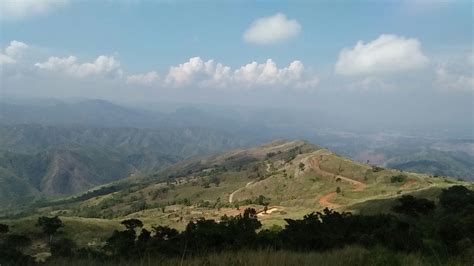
{"points": [[290, 178]]}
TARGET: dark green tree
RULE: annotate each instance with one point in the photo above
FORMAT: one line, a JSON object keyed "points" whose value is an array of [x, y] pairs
{"points": [[262, 200], [17, 242], [216, 180], [131, 224], [301, 166], [49, 225], [4, 228], [412, 206], [121, 243], [456, 198], [63, 247]]}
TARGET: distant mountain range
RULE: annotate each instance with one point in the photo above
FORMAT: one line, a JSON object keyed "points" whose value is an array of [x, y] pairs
{"points": [[63, 147], [80, 112], [48, 160], [440, 163]]}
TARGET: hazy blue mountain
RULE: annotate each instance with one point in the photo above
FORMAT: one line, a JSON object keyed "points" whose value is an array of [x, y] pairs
{"points": [[47, 160], [440, 163], [182, 142], [83, 112]]}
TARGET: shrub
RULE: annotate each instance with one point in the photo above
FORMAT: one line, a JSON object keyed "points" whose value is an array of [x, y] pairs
{"points": [[301, 166], [376, 169], [412, 206], [398, 178]]}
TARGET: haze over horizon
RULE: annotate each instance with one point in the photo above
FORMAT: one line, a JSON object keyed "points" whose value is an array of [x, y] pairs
{"points": [[406, 62]]}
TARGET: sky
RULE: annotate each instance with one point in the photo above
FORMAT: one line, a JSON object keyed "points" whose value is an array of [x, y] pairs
{"points": [[381, 60]]}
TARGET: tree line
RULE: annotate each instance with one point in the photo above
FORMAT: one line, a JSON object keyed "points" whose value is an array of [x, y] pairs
{"points": [[418, 225]]}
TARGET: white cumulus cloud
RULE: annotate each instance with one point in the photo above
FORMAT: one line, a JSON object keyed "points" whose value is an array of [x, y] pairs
{"points": [[4, 59], [269, 75], [21, 9], [13, 52], [206, 73], [452, 80], [387, 54], [272, 29], [103, 65], [194, 73], [146, 79], [209, 74]]}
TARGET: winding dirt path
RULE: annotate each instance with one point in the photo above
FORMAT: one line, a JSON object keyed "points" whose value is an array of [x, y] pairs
{"points": [[325, 200], [231, 196], [268, 168]]}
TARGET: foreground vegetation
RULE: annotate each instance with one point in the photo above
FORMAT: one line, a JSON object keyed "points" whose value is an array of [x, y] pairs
{"points": [[353, 255], [421, 233]]}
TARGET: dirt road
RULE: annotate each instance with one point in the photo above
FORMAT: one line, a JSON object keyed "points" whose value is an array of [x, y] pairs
{"points": [[231, 196], [325, 199]]}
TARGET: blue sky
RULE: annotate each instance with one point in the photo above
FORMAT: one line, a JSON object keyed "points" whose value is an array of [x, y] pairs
{"points": [[382, 60], [152, 35]]}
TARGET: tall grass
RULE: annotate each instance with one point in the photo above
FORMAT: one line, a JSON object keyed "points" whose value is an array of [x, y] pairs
{"points": [[347, 256]]}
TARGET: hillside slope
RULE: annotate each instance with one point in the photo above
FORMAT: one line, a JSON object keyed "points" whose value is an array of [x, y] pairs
{"points": [[285, 178]]}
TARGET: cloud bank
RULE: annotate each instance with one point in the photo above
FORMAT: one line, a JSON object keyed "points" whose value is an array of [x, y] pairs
{"points": [[194, 73], [367, 66], [197, 72], [102, 66]]}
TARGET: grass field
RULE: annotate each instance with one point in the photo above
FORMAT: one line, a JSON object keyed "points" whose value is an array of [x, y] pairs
{"points": [[353, 256]]}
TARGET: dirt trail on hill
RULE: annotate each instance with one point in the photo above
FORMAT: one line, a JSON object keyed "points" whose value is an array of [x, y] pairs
{"points": [[409, 183], [325, 199], [231, 196]]}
